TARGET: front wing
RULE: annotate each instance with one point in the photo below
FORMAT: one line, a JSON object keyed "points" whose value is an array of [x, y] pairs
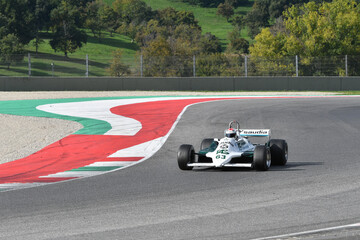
{"points": [[241, 165], [246, 159]]}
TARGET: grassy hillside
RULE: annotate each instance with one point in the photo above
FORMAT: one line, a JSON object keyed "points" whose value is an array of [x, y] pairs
{"points": [[51, 63], [208, 20], [48, 62], [103, 47]]}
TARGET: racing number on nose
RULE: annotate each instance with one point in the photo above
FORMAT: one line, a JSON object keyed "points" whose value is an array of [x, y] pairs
{"points": [[221, 154]]}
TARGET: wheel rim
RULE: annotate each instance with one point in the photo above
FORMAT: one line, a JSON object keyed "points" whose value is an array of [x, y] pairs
{"points": [[268, 159]]}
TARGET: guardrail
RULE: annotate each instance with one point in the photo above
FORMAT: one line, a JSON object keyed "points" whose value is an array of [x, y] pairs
{"points": [[180, 84]]}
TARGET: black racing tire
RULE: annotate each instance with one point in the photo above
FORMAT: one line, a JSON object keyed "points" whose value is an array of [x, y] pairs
{"points": [[262, 158], [279, 151], [186, 154], [206, 143]]}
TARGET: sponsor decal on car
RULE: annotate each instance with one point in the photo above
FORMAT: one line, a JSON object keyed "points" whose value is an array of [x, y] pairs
{"points": [[255, 132]]}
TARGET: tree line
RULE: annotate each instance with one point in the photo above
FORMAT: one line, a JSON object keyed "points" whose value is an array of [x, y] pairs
{"points": [[313, 30], [21, 21], [168, 37]]}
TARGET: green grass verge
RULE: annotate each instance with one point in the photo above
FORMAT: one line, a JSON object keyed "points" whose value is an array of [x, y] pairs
{"points": [[349, 92]]}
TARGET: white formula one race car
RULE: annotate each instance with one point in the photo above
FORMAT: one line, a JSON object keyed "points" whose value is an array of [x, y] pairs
{"points": [[235, 150]]}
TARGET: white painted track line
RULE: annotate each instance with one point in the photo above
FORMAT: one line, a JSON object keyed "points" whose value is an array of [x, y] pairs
{"points": [[355, 225], [71, 174], [111, 164]]}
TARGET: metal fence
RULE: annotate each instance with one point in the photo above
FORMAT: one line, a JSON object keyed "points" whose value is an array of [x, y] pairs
{"points": [[177, 66]]}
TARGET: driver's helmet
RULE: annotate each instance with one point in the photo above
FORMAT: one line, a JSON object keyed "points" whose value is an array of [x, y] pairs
{"points": [[230, 133]]}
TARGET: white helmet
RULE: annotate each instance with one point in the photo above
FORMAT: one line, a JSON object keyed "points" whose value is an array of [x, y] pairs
{"points": [[230, 133]]}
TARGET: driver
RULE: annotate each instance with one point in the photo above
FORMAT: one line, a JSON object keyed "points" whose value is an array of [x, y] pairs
{"points": [[230, 133]]}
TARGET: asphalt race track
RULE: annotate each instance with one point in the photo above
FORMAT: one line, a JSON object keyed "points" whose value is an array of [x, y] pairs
{"points": [[318, 189]]}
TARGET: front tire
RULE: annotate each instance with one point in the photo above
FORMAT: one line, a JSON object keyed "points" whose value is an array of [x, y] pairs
{"points": [[186, 154], [279, 151], [262, 158]]}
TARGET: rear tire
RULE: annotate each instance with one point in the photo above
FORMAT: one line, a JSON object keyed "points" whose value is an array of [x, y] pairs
{"points": [[262, 158], [279, 151], [206, 143], [186, 154]]}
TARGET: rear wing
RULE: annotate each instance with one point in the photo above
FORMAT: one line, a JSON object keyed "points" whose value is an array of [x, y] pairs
{"points": [[255, 132]]}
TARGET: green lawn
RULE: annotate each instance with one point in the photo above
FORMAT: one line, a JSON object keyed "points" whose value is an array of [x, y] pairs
{"points": [[208, 20], [50, 63], [94, 47]]}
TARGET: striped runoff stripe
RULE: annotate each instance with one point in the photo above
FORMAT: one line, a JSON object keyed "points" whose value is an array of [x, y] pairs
{"points": [[138, 128]]}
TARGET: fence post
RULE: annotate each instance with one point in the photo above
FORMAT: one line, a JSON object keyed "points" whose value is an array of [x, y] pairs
{"points": [[87, 66], [29, 63], [297, 65], [194, 66], [346, 65], [246, 70], [141, 65]]}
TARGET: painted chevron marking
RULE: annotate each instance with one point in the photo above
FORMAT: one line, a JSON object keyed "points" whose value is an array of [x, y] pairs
{"points": [[141, 150]]}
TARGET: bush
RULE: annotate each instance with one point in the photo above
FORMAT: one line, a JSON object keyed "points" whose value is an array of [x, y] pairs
{"points": [[117, 68]]}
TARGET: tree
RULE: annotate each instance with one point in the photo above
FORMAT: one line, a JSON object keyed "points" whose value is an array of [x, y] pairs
{"points": [[169, 43], [325, 29], [167, 23], [268, 45], [131, 30], [204, 3], [218, 64], [211, 65], [238, 22], [209, 43], [43, 9], [225, 10], [150, 32], [239, 45], [43, 13], [80, 7], [157, 58], [258, 17], [215, 3], [19, 19], [3, 26], [132, 11], [109, 18], [11, 50], [117, 68], [170, 17], [67, 36], [93, 20], [265, 12]]}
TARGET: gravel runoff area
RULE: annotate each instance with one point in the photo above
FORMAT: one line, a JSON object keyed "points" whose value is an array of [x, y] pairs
{"points": [[21, 136]]}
